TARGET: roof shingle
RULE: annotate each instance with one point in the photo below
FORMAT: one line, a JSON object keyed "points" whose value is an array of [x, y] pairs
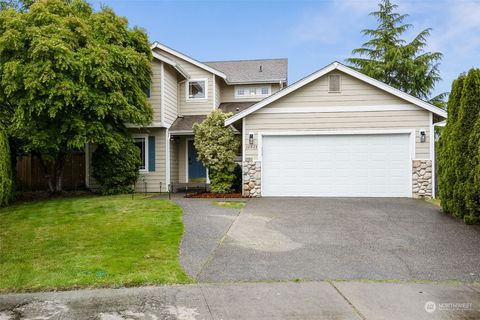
{"points": [[245, 71]]}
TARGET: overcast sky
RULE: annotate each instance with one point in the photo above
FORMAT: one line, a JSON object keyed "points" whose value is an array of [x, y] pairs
{"points": [[311, 34]]}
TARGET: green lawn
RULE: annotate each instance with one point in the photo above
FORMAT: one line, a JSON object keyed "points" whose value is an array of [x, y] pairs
{"points": [[230, 204], [90, 242]]}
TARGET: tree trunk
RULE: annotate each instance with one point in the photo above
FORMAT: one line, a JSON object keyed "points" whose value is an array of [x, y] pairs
{"points": [[54, 175]]}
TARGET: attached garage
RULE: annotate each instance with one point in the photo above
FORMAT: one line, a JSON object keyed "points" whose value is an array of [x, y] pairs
{"points": [[338, 133], [347, 165]]}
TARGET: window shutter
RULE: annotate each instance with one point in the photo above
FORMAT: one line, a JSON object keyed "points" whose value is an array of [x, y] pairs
{"points": [[151, 153]]}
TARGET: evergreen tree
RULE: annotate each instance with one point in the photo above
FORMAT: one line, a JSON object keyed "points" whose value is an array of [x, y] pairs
{"points": [[391, 59], [459, 150], [448, 149], [469, 119]]}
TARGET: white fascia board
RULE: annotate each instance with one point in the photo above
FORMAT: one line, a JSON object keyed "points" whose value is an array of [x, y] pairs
{"points": [[187, 58], [171, 63], [269, 81], [347, 70], [151, 125]]}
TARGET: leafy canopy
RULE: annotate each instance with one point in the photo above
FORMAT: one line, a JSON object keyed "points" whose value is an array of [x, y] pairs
{"points": [[70, 76], [391, 59], [217, 148]]}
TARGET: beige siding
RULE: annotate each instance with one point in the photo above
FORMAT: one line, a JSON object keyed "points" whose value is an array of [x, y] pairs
{"points": [[228, 93], [174, 147], [218, 91], [354, 93], [171, 97], [182, 160], [193, 107], [155, 91], [153, 178]]}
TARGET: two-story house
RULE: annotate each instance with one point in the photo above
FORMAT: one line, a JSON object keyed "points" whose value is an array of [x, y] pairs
{"points": [[183, 92], [336, 132]]}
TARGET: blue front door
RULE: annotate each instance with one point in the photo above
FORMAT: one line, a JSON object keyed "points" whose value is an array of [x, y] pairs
{"points": [[196, 170]]}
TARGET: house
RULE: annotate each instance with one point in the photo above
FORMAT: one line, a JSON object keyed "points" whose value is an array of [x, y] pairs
{"points": [[339, 133], [334, 133], [183, 92]]}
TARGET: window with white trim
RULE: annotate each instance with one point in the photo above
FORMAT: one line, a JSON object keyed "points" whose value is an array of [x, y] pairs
{"points": [[250, 91], [197, 89], [141, 143]]}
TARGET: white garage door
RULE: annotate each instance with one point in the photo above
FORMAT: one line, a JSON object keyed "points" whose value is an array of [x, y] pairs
{"points": [[337, 165]]}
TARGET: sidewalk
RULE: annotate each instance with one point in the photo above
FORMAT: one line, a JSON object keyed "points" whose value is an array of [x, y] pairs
{"points": [[280, 300]]}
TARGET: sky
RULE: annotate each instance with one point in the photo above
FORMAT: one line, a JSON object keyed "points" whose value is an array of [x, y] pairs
{"points": [[311, 34]]}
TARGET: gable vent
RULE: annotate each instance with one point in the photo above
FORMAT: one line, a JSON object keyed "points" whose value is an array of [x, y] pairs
{"points": [[334, 82]]}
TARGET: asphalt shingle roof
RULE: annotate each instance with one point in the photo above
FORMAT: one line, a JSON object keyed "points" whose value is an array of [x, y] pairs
{"points": [[244, 71]]}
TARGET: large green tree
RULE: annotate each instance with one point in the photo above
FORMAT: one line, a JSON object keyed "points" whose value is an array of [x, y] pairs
{"points": [[403, 64], [70, 76], [459, 150], [217, 148]]}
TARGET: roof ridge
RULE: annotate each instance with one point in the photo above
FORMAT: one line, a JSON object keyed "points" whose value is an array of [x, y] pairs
{"points": [[243, 60]]}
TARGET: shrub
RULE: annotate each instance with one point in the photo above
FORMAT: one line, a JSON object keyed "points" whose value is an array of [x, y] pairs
{"points": [[116, 171], [459, 150], [6, 182], [217, 148]]}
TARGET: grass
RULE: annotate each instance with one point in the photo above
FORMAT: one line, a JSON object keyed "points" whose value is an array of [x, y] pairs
{"points": [[230, 204], [435, 201], [90, 242]]}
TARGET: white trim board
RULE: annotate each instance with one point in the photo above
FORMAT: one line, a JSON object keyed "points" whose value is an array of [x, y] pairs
{"points": [[326, 109], [187, 58], [171, 63], [347, 70]]}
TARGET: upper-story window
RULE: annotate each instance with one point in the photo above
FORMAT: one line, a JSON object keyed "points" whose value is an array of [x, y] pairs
{"points": [[252, 91], [197, 89]]}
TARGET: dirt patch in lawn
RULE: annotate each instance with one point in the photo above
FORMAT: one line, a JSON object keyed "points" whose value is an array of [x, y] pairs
{"points": [[213, 195]]}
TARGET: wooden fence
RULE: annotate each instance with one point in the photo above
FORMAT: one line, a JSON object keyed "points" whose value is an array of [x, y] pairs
{"points": [[30, 176]]}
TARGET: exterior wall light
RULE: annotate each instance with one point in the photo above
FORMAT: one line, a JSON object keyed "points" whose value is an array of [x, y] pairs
{"points": [[423, 135], [250, 138]]}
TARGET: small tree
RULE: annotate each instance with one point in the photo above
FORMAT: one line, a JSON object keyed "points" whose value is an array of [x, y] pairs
{"points": [[217, 148], [70, 76], [116, 171], [6, 183]]}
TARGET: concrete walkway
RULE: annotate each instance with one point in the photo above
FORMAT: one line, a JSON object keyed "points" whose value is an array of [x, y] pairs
{"points": [[281, 300]]}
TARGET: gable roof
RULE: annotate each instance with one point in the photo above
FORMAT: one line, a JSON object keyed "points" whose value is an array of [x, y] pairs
{"points": [[187, 58], [172, 63], [251, 71], [340, 67]]}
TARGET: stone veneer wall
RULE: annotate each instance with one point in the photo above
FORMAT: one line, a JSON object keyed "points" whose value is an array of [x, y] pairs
{"points": [[422, 178], [252, 179]]}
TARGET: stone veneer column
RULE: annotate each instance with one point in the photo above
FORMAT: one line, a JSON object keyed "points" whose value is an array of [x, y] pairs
{"points": [[422, 178], [252, 179]]}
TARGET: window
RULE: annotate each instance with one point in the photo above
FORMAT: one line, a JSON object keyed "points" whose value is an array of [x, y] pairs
{"points": [[252, 91], [197, 89], [334, 83], [141, 143]]}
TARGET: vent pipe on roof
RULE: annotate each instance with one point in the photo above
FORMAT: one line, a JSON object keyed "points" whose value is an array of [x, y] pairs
{"points": [[260, 70]]}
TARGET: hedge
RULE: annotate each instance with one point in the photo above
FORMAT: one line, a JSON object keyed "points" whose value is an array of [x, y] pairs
{"points": [[459, 150], [6, 182]]}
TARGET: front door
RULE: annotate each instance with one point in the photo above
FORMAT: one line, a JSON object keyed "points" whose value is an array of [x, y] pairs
{"points": [[196, 170]]}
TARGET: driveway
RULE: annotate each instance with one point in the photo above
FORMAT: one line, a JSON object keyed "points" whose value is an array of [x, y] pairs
{"points": [[328, 238]]}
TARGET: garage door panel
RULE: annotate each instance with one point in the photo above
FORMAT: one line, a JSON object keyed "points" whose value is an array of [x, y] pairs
{"points": [[337, 165]]}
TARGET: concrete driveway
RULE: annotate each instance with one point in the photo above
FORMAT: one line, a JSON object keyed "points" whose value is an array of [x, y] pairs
{"points": [[327, 238]]}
